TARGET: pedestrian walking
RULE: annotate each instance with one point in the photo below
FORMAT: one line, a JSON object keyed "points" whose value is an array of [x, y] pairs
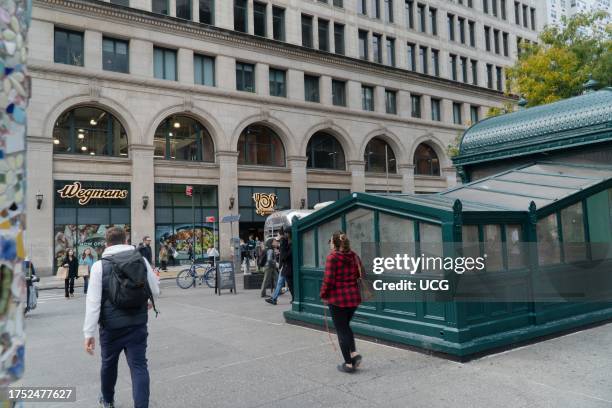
{"points": [[340, 292], [285, 275], [269, 266], [72, 263], [85, 264], [122, 284], [163, 257], [145, 249], [172, 254]]}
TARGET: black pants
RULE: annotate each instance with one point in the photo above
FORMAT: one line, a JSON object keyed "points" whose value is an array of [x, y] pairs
{"points": [[133, 342], [341, 316], [69, 283]]}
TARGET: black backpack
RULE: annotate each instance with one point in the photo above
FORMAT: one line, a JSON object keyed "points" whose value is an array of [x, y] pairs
{"points": [[263, 259], [128, 287]]}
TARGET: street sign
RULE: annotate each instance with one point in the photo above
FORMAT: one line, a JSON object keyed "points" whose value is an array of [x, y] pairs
{"points": [[189, 191], [230, 218], [210, 219], [225, 276]]}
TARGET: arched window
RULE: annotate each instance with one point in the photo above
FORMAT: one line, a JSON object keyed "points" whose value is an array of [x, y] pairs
{"points": [[379, 157], [259, 145], [182, 138], [91, 131], [426, 161], [325, 152]]}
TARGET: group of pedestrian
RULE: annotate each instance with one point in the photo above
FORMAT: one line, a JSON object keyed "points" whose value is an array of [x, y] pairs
{"points": [[167, 255], [77, 267]]}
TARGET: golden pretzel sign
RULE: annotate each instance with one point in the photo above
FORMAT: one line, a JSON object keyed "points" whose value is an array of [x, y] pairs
{"points": [[265, 203]]}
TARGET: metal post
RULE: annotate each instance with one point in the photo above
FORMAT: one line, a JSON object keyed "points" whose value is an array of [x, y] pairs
{"points": [[193, 241]]}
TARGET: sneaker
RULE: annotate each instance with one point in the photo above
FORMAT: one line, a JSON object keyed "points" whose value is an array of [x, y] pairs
{"points": [[105, 404], [271, 301], [345, 369]]}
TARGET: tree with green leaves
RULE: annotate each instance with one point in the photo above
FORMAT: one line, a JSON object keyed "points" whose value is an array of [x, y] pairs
{"points": [[561, 62]]}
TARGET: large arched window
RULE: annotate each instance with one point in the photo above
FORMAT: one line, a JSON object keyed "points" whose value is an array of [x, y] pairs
{"points": [[325, 152], [180, 137], [259, 145], [426, 161], [379, 157], [91, 131]]}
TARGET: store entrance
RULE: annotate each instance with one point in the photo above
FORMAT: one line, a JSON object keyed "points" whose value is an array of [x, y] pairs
{"points": [[251, 228]]}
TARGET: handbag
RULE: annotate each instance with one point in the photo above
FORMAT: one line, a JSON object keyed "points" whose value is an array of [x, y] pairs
{"points": [[62, 272], [366, 289], [83, 270]]}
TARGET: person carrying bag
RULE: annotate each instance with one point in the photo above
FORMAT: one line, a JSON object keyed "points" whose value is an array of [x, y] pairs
{"points": [[340, 291]]}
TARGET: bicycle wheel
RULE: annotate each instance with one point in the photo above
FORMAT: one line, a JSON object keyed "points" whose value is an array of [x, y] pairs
{"points": [[210, 277], [184, 279]]}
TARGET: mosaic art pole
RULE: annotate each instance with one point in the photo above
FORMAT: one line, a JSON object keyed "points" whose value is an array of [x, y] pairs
{"points": [[15, 18]]}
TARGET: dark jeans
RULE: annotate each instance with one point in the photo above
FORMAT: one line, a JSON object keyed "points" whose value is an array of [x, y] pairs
{"points": [[341, 316], [290, 285], [164, 265], [132, 341], [85, 284], [69, 284]]}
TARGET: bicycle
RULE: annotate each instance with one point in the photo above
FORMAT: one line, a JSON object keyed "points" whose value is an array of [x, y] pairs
{"points": [[188, 277]]}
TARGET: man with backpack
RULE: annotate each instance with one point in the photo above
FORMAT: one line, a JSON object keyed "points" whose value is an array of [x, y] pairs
{"points": [[121, 285], [269, 265]]}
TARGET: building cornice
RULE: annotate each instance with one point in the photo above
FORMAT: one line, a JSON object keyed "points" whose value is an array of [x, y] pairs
{"points": [[172, 25]]}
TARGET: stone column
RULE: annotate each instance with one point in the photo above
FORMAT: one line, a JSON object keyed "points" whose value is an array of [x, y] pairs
{"points": [[353, 95], [403, 104], [380, 103], [251, 17], [40, 221], [326, 90], [226, 73], [295, 85], [224, 14], [315, 33], [262, 79], [357, 169], [142, 4], [143, 184], [299, 181], [185, 66], [426, 107], [42, 47], [466, 117], [228, 168], [172, 8], [269, 21], [446, 106], [93, 50], [141, 58], [407, 172], [195, 10], [450, 174]]}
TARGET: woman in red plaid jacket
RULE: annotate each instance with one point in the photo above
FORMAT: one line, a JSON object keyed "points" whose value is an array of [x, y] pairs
{"points": [[341, 292]]}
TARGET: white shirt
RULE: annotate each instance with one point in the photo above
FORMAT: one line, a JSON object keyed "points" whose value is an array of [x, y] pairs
{"points": [[94, 291]]}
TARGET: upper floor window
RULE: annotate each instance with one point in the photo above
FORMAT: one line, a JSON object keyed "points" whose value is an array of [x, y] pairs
{"points": [[115, 55], [388, 11], [433, 21], [260, 145], [311, 88], [245, 77], [421, 17], [164, 63], [124, 3], [241, 17], [471, 29], [323, 34], [278, 23], [377, 48], [391, 51], [457, 114], [207, 11], [339, 38], [278, 82], [91, 131], [375, 9], [367, 98], [68, 47], [182, 138], [411, 56], [363, 44], [325, 152], [338, 92], [435, 109], [379, 157], [362, 7], [204, 70], [415, 106], [160, 7], [426, 162], [391, 101], [474, 117], [259, 19], [409, 10], [307, 31], [183, 9]]}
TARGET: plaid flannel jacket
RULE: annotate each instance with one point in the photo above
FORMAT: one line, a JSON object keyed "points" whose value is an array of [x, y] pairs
{"points": [[340, 280]]}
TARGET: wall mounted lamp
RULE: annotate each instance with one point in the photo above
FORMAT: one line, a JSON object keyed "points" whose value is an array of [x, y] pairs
{"points": [[39, 200], [232, 200], [302, 203], [145, 201]]}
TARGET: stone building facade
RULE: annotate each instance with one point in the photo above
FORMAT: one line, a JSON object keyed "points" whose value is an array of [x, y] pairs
{"points": [[129, 99]]}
